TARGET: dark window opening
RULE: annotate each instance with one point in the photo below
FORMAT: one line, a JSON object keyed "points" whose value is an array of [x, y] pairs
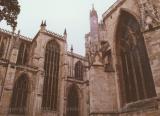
{"points": [[73, 102], [79, 69], [19, 96], [51, 67], [136, 76], [22, 54]]}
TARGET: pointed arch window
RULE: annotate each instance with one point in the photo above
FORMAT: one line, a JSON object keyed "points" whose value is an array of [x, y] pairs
{"points": [[51, 67], [73, 102], [22, 54], [79, 69], [19, 96], [135, 72], [2, 48]]}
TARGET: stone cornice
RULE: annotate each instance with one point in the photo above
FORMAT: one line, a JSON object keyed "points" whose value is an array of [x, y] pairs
{"points": [[15, 35]]}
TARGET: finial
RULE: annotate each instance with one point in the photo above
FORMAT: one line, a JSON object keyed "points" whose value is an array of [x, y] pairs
{"points": [[19, 32], [42, 23], [65, 32], [45, 23], [71, 48]]}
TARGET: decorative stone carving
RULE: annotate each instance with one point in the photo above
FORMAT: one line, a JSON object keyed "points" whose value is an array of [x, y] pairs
{"points": [[149, 14]]}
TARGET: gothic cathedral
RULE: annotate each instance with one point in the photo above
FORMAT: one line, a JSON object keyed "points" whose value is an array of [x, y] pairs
{"points": [[118, 76]]}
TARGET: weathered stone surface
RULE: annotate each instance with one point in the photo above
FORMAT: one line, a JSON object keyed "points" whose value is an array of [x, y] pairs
{"points": [[99, 92]]}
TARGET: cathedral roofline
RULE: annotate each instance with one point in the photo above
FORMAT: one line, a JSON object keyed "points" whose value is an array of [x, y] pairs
{"points": [[54, 34], [76, 55], [112, 8], [50, 33], [15, 35]]}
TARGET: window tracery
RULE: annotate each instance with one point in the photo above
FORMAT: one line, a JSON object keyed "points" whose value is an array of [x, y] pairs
{"points": [[22, 54], [79, 69], [19, 96], [51, 67], [73, 102], [136, 75]]}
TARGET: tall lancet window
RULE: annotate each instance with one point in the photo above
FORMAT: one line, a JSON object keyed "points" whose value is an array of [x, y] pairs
{"points": [[19, 96], [51, 67], [79, 70], [22, 54], [2, 49], [135, 72]]}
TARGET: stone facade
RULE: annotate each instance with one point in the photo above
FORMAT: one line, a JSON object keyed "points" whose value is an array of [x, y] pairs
{"points": [[106, 82], [11, 71], [106, 76]]}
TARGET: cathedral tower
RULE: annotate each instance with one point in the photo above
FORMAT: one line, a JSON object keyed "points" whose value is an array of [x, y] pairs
{"points": [[93, 23]]}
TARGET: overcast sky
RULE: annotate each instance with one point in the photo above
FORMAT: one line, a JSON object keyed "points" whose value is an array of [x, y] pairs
{"points": [[59, 14]]}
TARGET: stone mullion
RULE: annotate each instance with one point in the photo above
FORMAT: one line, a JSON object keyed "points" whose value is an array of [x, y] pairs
{"points": [[141, 72], [134, 77], [56, 77], [131, 79], [23, 53], [49, 76], [17, 96], [46, 77], [127, 77], [20, 95], [80, 72], [52, 78], [124, 76]]}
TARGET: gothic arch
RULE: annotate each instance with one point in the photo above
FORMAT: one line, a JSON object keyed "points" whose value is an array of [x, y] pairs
{"points": [[22, 58], [79, 70], [51, 40], [73, 107], [30, 81], [20, 95], [51, 69], [132, 62]]}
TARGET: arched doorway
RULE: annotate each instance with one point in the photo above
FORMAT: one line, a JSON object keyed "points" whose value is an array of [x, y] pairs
{"points": [[19, 96], [136, 81], [73, 102]]}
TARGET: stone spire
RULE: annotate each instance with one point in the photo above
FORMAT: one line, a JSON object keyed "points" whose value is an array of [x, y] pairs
{"points": [[93, 12], [94, 24], [71, 48], [65, 34]]}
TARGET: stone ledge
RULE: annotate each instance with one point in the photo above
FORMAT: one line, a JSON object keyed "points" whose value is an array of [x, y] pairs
{"points": [[142, 105]]}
